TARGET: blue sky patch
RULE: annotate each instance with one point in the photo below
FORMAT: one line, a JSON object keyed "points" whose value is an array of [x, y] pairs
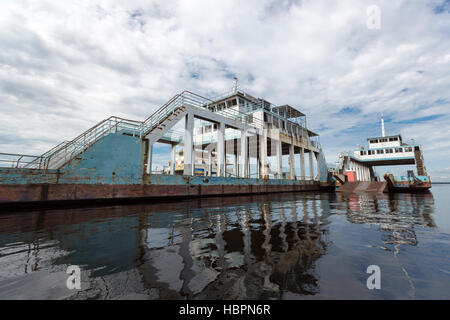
{"points": [[443, 7]]}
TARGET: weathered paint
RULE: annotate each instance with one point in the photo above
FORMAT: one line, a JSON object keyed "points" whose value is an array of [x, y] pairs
{"points": [[160, 179], [27, 176], [115, 159], [60, 192], [408, 183], [113, 168]]}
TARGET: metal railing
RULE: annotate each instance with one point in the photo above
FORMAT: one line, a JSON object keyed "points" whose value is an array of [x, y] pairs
{"points": [[38, 162], [13, 160], [59, 155], [65, 151], [195, 100]]}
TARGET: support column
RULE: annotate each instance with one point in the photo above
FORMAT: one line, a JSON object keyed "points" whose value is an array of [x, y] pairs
{"points": [[172, 159], [263, 153], [311, 165], [221, 165], [188, 145], [279, 159], [210, 165], [244, 154], [258, 158], [291, 161], [237, 161], [316, 154], [302, 163], [149, 158]]}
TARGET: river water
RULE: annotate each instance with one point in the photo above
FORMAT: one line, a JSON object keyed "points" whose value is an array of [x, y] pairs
{"points": [[278, 246]]}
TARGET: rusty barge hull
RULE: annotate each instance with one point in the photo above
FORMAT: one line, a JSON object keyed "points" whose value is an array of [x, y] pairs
{"points": [[37, 188]]}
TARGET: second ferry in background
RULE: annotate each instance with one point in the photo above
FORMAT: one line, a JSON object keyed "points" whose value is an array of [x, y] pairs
{"points": [[355, 169]]}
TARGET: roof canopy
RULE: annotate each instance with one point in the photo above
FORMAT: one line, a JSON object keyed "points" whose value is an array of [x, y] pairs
{"points": [[288, 111], [394, 136]]}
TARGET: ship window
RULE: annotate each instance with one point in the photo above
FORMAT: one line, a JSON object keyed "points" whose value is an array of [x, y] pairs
{"points": [[275, 122], [398, 149], [380, 151], [389, 151], [363, 153], [373, 141], [383, 140], [249, 118], [409, 149], [231, 103], [207, 129]]}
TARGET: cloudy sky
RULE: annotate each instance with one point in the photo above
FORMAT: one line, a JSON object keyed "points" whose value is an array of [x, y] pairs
{"points": [[64, 66]]}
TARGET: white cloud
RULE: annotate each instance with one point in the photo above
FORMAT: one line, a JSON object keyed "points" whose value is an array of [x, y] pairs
{"points": [[66, 65]]}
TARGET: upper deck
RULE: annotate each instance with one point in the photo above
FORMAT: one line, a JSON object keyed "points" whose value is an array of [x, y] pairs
{"points": [[387, 150], [382, 142], [262, 114]]}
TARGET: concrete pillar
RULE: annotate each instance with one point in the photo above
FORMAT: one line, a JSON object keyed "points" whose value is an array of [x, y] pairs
{"points": [[263, 154], [188, 153], [258, 159], [221, 165], [318, 163], [279, 159], [172, 159], [291, 161], [244, 154], [210, 165], [302, 163], [149, 159], [311, 165]]}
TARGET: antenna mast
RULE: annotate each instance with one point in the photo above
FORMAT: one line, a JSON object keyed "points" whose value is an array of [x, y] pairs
{"points": [[235, 84]]}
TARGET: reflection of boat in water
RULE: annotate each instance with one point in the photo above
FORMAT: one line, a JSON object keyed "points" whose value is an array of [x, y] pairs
{"points": [[249, 258], [398, 223], [215, 248]]}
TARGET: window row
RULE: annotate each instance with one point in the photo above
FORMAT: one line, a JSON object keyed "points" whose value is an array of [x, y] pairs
{"points": [[383, 140], [283, 124], [223, 105], [385, 151]]}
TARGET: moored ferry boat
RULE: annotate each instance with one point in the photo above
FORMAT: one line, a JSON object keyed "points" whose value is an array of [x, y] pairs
{"points": [[358, 165]]}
